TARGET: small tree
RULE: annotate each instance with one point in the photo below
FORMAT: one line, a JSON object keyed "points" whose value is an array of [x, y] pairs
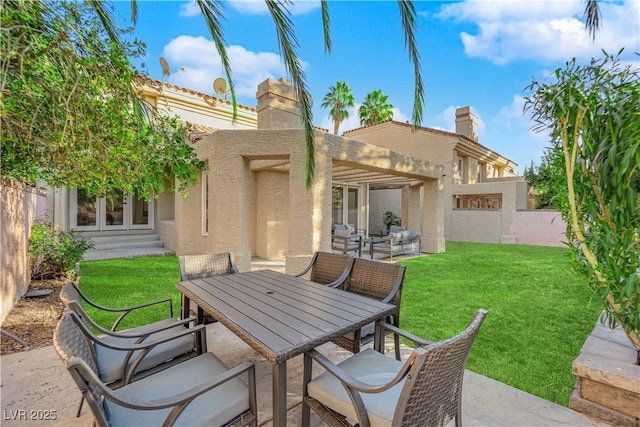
{"points": [[375, 108], [339, 98], [546, 179], [593, 115], [69, 111]]}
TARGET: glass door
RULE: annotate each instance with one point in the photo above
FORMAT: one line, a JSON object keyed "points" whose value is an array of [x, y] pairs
{"points": [[114, 215], [141, 212], [84, 214], [116, 211], [348, 206]]}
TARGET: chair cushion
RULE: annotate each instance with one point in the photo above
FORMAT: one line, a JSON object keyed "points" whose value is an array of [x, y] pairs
{"points": [[366, 330], [110, 360], [407, 235], [213, 408], [370, 367], [396, 237]]}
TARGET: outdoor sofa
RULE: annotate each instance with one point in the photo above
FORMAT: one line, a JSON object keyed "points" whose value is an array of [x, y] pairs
{"points": [[397, 243]]}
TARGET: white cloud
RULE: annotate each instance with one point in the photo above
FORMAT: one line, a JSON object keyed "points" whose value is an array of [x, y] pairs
{"points": [[202, 64], [189, 9], [539, 30], [513, 114], [259, 7], [399, 116]]}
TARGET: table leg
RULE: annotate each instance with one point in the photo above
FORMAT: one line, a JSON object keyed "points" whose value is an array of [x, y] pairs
{"points": [[378, 340], [280, 394], [184, 312]]}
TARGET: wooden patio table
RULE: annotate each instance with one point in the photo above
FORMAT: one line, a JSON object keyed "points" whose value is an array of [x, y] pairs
{"points": [[280, 316]]}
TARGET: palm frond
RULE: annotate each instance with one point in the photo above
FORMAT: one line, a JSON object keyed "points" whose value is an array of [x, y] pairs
{"points": [[288, 42], [408, 16], [213, 15], [134, 12], [106, 18], [592, 17], [325, 25]]}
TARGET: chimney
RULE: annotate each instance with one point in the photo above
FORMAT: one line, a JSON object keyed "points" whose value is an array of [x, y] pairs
{"points": [[465, 120], [278, 106]]}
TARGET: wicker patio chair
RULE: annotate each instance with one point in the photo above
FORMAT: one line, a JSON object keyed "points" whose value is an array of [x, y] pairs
{"points": [[376, 390], [118, 365], [71, 292], [378, 280], [328, 268], [205, 265], [200, 391]]}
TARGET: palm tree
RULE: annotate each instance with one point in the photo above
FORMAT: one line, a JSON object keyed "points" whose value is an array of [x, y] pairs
{"points": [[375, 108], [213, 16], [338, 98]]}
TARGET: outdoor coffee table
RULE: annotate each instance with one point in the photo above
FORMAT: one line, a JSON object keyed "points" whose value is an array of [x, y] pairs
{"points": [[373, 240], [280, 316]]}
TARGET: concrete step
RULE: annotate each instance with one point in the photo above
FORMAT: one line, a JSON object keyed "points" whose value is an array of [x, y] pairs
{"points": [[126, 240], [126, 246]]}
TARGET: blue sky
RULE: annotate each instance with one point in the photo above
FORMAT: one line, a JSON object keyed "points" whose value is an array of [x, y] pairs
{"points": [[477, 53]]}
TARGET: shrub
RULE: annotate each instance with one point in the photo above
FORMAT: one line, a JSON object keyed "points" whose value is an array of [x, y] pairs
{"points": [[55, 253], [389, 219]]}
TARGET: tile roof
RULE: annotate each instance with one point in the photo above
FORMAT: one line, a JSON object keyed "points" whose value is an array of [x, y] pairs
{"points": [[195, 133], [431, 130], [157, 84], [407, 124]]}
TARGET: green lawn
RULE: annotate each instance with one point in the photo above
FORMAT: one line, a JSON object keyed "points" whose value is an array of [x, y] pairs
{"points": [[130, 281], [539, 315]]}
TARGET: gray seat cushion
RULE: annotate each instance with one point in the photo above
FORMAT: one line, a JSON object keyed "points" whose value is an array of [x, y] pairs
{"points": [[370, 367], [213, 408], [365, 331], [110, 360]]}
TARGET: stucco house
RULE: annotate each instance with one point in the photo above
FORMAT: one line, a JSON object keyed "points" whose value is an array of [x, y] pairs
{"points": [[477, 179], [251, 198]]}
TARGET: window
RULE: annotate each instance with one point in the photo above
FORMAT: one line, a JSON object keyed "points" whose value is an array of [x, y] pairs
{"points": [[478, 201], [205, 203]]}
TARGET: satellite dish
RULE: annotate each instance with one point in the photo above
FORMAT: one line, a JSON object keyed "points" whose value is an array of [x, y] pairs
{"points": [[220, 86], [166, 70]]}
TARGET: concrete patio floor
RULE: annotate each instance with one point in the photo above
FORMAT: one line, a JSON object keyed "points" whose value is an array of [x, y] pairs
{"points": [[35, 381]]}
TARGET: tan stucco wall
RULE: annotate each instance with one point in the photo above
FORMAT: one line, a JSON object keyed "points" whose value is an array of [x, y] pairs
{"points": [[271, 215], [445, 149], [476, 225], [435, 148], [243, 200], [20, 205], [381, 201], [539, 227]]}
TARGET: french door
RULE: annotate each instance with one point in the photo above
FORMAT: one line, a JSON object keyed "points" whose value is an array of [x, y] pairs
{"points": [[349, 205], [116, 211]]}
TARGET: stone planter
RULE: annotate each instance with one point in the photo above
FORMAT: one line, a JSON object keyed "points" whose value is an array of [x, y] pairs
{"points": [[608, 381]]}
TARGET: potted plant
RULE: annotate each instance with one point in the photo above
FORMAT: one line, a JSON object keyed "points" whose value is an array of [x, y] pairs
{"points": [[389, 219], [593, 115]]}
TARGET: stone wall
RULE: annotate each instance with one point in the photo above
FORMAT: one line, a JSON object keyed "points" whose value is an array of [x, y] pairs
{"points": [[20, 205], [608, 381]]}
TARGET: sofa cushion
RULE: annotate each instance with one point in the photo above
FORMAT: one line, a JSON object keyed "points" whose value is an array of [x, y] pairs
{"points": [[408, 234], [396, 237]]}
